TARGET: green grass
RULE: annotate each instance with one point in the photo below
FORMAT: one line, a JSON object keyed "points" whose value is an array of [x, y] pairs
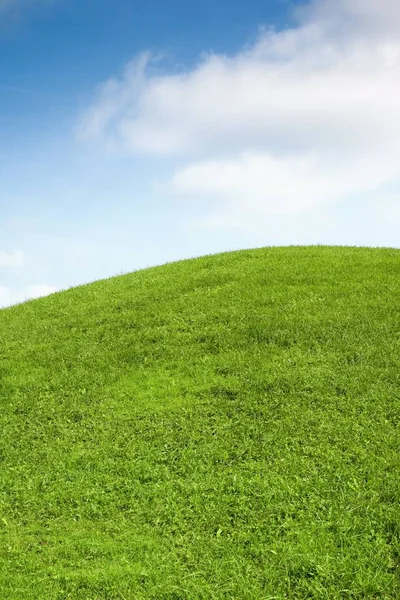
{"points": [[219, 428]]}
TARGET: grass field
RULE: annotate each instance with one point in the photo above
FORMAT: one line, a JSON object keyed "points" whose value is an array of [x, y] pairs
{"points": [[219, 428]]}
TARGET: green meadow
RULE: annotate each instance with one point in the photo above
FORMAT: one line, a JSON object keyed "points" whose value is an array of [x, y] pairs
{"points": [[225, 427]]}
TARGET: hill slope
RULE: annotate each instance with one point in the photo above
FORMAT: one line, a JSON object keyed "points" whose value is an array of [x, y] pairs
{"points": [[225, 427]]}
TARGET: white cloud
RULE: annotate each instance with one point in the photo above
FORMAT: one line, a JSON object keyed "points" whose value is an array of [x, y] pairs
{"points": [[267, 185], [11, 259], [305, 116], [9, 297]]}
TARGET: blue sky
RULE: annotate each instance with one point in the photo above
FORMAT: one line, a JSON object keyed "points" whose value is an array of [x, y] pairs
{"points": [[135, 133]]}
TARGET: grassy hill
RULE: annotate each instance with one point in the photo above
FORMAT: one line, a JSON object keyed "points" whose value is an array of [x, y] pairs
{"points": [[218, 428]]}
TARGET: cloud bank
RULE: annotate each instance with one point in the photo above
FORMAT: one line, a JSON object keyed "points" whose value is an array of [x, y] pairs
{"points": [[9, 297], [304, 117]]}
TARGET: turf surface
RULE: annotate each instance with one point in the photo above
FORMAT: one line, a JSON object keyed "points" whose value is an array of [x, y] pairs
{"points": [[218, 428]]}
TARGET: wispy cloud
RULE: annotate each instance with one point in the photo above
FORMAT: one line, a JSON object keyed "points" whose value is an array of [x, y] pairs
{"points": [[305, 116]]}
